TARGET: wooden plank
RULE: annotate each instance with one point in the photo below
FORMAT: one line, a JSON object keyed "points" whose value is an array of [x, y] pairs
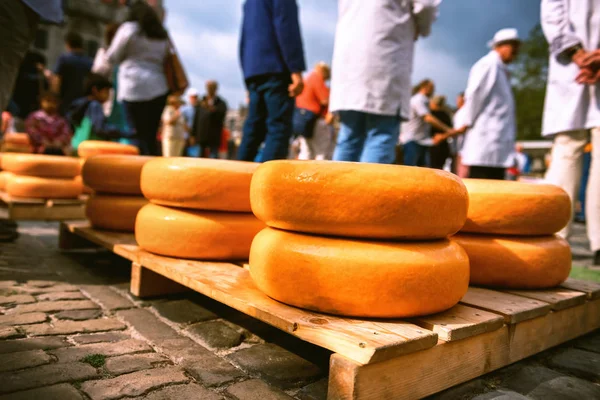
{"points": [[68, 240], [460, 322], [106, 239], [147, 283], [35, 212], [424, 373], [513, 308], [592, 289], [363, 341], [558, 298]]}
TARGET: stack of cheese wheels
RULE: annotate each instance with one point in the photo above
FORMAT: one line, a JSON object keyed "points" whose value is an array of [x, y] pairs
{"points": [[509, 234], [117, 198], [41, 177], [16, 143], [360, 240], [200, 209]]}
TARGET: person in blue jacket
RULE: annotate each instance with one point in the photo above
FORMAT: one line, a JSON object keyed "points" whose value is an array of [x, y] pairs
{"points": [[272, 59]]}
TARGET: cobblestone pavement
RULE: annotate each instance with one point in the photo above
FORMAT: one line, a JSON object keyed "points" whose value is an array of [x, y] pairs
{"points": [[70, 330]]}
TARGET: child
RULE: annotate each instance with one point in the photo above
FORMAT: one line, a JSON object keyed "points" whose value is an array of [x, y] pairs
{"points": [[174, 130], [87, 113], [49, 132]]}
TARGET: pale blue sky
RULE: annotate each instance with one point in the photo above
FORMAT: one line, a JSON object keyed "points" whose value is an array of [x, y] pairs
{"points": [[206, 34]]}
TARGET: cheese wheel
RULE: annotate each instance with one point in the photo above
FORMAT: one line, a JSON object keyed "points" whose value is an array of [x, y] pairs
{"points": [[16, 148], [202, 184], [43, 188], [114, 213], [90, 148], [359, 278], [4, 175], [359, 200], [517, 262], [17, 139], [114, 173], [41, 165], [86, 189], [516, 208], [200, 235]]}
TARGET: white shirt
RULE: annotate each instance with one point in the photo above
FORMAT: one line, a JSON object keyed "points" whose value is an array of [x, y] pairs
{"points": [[458, 122], [175, 131], [141, 64], [416, 129], [373, 54], [569, 105], [490, 114]]}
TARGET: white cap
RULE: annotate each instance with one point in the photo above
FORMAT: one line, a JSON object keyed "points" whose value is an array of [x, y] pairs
{"points": [[504, 35], [192, 92]]}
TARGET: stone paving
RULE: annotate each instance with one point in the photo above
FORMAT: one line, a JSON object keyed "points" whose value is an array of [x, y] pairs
{"points": [[70, 330]]}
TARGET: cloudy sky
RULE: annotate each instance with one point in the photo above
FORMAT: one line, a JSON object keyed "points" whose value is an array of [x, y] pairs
{"points": [[206, 34]]}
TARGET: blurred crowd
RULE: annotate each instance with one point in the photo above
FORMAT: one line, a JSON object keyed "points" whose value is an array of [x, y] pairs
{"points": [[368, 113]]}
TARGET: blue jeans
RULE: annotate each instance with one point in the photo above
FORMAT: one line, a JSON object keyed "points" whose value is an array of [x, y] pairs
{"points": [[415, 155], [585, 176], [367, 137], [304, 122], [269, 119]]}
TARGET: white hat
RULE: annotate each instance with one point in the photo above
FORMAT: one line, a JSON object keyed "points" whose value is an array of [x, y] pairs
{"points": [[504, 35], [192, 92]]}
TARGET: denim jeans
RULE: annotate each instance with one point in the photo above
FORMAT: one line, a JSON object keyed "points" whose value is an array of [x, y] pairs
{"points": [[367, 137], [269, 120], [415, 155], [304, 123]]}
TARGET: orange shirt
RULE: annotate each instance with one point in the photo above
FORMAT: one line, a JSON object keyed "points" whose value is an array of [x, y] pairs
{"points": [[313, 96]]}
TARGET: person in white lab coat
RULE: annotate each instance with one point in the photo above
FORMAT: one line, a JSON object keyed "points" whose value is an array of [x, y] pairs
{"points": [[489, 110], [371, 74], [572, 109]]}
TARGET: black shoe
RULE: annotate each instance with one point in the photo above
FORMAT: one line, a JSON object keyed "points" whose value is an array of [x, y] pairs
{"points": [[597, 258]]}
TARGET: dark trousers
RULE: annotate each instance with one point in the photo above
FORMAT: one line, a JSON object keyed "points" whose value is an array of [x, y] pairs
{"points": [[18, 25], [144, 117], [477, 172], [439, 154], [269, 119]]}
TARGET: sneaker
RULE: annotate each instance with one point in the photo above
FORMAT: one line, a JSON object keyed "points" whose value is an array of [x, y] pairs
{"points": [[597, 258]]}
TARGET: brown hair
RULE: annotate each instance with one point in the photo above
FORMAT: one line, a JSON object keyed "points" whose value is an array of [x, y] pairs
{"points": [[420, 85]]}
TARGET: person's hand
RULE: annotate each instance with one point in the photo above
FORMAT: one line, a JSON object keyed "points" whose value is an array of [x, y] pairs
{"points": [[439, 138], [329, 118], [297, 85], [580, 58], [462, 130], [587, 59], [588, 76]]}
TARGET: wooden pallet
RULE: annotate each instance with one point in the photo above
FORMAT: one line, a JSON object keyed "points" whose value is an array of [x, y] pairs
{"points": [[386, 359], [25, 209]]}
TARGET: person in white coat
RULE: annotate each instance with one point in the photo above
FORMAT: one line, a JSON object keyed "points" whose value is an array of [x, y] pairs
{"points": [[572, 109], [489, 111], [371, 74]]}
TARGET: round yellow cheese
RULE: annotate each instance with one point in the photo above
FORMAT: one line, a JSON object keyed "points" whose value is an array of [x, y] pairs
{"points": [[198, 183], [43, 188], [359, 278], [359, 200], [41, 165], [202, 235], [116, 174], [90, 148], [114, 213], [516, 208], [517, 262]]}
